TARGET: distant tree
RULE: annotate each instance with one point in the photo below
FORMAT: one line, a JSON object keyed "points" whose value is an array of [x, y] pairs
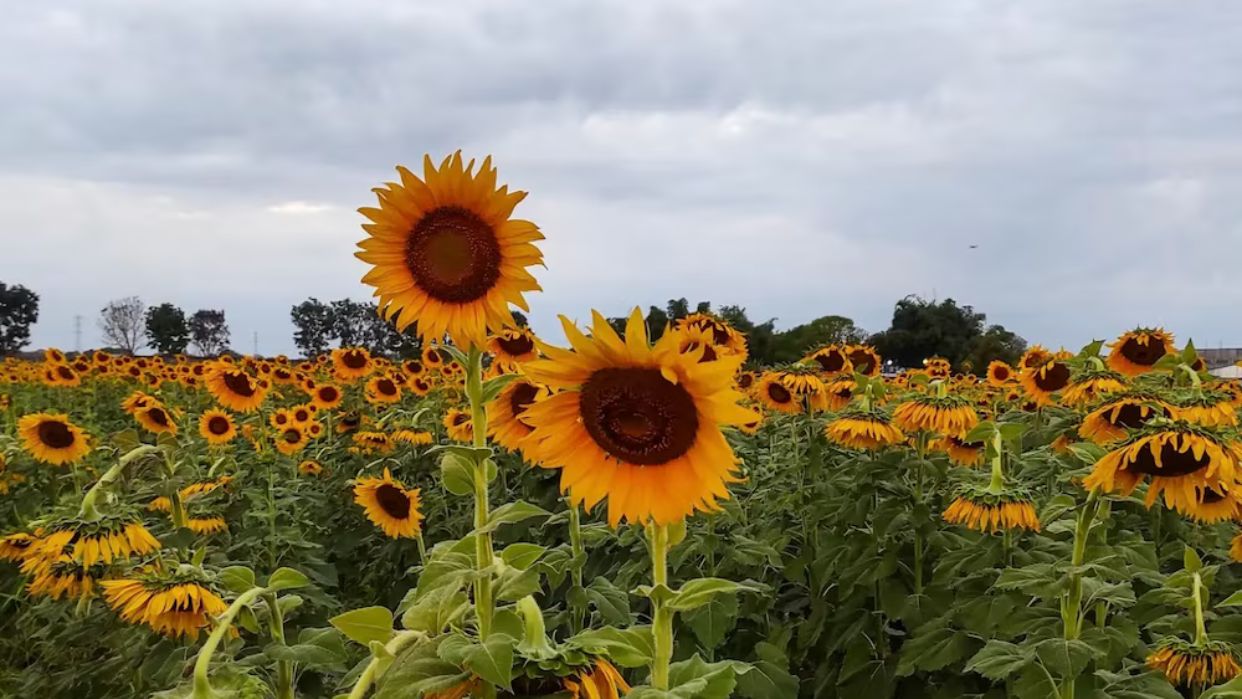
{"points": [[349, 322], [657, 320], [703, 307], [19, 309], [678, 308], [168, 331], [791, 345], [995, 343], [520, 319], [922, 329], [760, 338], [121, 323], [312, 320], [209, 332], [359, 324]]}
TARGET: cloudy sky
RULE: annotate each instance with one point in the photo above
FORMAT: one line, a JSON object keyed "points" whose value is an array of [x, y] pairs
{"points": [[798, 158]]}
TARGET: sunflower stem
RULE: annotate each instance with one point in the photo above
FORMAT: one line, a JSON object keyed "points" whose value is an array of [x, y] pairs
{"points": [[998, 465], [576, 619], [202, 686], [90, 509], [284, 668], [483, 603], [662, 618], [1071, 603], [395, 646], [1201, 636]]}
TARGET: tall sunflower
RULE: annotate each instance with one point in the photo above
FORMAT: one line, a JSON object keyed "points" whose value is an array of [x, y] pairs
{"points": [[989, 512], [390, 506], [772, 393], [351, 363], [383, 389], [1136, 352], [1088, 387], [1187, 664], [950, 414], [725, 338], [446, 253], [864, 359], [831, 359], [216, 426], [636, 424], [235, 389], [53, 439], [512, 347], [1112, 421], [156, 419], [326, 396], [506, 423], [1043, 380]]}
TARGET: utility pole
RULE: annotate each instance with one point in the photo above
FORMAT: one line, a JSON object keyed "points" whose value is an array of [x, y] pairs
{"points": [[77, 333]]}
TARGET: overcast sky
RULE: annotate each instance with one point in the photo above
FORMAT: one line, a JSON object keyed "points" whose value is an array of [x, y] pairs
{"points": [[798, 158]]}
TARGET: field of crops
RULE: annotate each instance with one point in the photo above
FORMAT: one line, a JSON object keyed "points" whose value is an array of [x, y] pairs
{"points": [[625, 511]]}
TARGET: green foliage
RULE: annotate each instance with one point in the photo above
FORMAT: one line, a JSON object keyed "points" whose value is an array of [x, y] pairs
{"points": [[167, 329], [19, 309]]}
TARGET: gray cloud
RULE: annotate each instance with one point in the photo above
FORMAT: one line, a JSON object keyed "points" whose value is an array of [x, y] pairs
{"points": [[799, 158]]}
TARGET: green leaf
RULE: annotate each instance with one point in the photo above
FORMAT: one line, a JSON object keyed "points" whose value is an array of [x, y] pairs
{"points": [[365, 625], [999, 659], [769, 676], [236, 578], [493, 386], [702, 680], [513, 584], [287, 579], [436, 610], [982, 432], [522, 555], [700, 591], [511, 513], [1091, 349], [1087, 452], [631, 647], [492, 659], [1191, 561], [418, 670], [712, 622], [609, 600], [1234, 600], [933, 650], [1064, 658], [457, 474]]}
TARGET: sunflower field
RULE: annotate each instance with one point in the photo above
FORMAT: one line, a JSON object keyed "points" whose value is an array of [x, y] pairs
{"points": [[632, 512]]}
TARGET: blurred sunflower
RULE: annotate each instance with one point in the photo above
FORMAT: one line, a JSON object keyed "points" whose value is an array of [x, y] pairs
{"points": [[310, 468], [291, 440], [1088, 387], [512, 347], [864, 359], [999, 373], [637, 424], [115, 537], [414, 437], [505, 414], [989, 512], [382, 389], [1207, 408], [459, 426], [174, 606], [831, 359], [1213, 506], [52, 438], [773, 394], [1136, 352], [389, 505], [446, 253], [372, 443], [205, 525], [724, 338], [960, 451], [1112, 421], [745, 381], [859, 429], [419, 386], [351, 363], [156, 419], [326, 396], [599, 681], [14, 547], [234, 389], [216, 426], [59, 576]]}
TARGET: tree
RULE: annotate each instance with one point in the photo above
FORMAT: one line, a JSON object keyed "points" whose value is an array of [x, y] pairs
{"points": [[359, 324], [209, 332], [313, 322], [791, 345], [349, 322], [19, 309], [995, 343], [168, 331], [121, 322], [922, 329]]}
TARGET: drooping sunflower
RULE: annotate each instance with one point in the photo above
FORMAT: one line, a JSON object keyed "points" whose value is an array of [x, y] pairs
{"points": [[698, 341], [864, 359], [114, 537], [1041, 381], [806, 385], [1034, 358], [1137, 351], [372, 443], [960, 451], [505, 414], [725, 339], [937, 367], [1212, 506], [60, 576], [156, 419], [512, 347], [63, 375], [459, 426], [390, 506], [53, 439], [216, 426], [983, 511], [1189, 665], [383, 389], [869, 430], [204, 526], [1088, 387], [773, 394], [414, 437], [176, 606], [831, 360], [14, 547], [636, 424], [351, 363], [326, 396], [599, 681], [943, 414], [310, 468], [1207, 408], [446, 253], [999, 373], [1177, 459], [838, 393], [1112, 421], [234, 389]]}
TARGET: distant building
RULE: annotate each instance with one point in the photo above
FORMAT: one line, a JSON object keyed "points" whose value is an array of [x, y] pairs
{"points": [[1220, 357]]}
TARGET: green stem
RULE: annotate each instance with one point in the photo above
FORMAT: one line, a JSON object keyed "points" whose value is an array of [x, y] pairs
{"points": [[422, 548], [367, 678], [202, 686], [90, 509], [1201, 636], [284, 668], [662, 619], [483, 602], [1071, 603], [921, 445], [998, 460], [576, 619]]}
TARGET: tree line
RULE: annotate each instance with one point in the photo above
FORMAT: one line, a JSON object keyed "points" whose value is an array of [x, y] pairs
{"points": [[920, 328]]}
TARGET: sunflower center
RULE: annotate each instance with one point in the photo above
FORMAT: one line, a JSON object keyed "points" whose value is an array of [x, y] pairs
{"points": [[354, 359], [65, 373], [638, 416], [523, 395], [1132, 415], [292, 436], [158, 416], [1000, 373], [460, 419], [239, 384], [1173, 463], [779, 393], [1209, 497], [56, 435], [1053, 377], [1143, 354], [745, 381], [386, 387], [862, 360], [392, 501], [453, 255], [831, 361], [218, 425], [516, 346]]}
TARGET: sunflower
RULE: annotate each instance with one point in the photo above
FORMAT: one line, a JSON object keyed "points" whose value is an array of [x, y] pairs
{"points": [[179, 606], [724, 338], [838, 393], [419, 385], [234, 389], [1089, 387], [806, 385], [944, 414], [14, 547], [745, 381], [415, 437], [505, 414], [216, 426], [1212, 506], [697, 341], [999, 373], [136, 401], [637, 424], [446, 254], [1041, 381], [351, 363], [1188, 664], [292, 439], [1034, 358], [326, 396], [990, 512], [600, 681], [371, 443], [348, 422], [156, 419], [960, 451], [434, 357], [1179, 460], [460, 427], [1209, 408], [831, 360], [303, 414], [112, 538], [52, 439], [383, 389], [868, 430], [390, 506], [1110, 422], [59, 577], [864, 359], [937, 367], [512, 347], [205, 525], [310, 468], [1137, 351], [63, 375], [773, 394]]}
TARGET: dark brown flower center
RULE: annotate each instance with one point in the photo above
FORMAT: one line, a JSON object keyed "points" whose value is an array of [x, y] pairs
{"points": [[1000, 373], [1172, 462], [1142, 354], [832, 361], [158, 416], [959, 442], [218, 425], [292, 436], [386, 387], [1209, 496], [65, 373], [460, 419], [413, 367], [523, 395], [516, 346], [392, 501], [56, 435], [238, 383], [280, 418], [301, 415], [862, 360], [1053, 377], [453, 255], [328, 394], [779, 393], [638, 416], [1132, 415], [745, 381], [354, 359]]}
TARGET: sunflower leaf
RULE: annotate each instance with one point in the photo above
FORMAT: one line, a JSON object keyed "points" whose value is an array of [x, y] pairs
{"points": [[457, 474], [287, 579], [699, 592], [511, 513], [522, 555], [492, 659], [493, 386], [236, 578], [365, 625]]}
